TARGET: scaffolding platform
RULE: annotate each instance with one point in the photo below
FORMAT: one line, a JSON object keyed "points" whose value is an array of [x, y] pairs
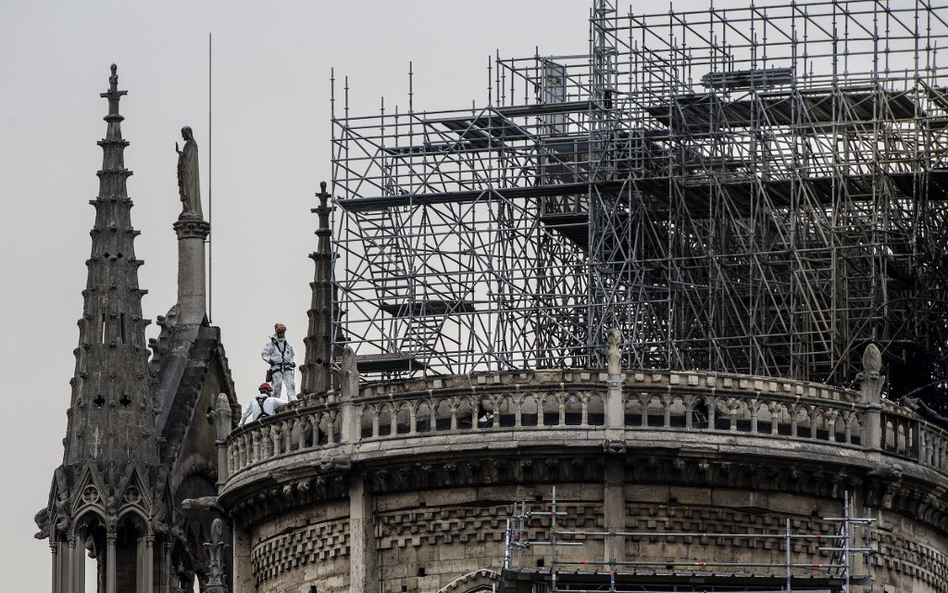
{"points": [[531, 580]]}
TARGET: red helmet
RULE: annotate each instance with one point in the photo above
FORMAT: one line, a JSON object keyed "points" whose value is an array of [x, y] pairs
{"points": [[265, 387], [279, 327]]}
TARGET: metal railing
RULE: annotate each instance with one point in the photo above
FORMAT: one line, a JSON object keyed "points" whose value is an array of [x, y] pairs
{"points": [[840, 549]]}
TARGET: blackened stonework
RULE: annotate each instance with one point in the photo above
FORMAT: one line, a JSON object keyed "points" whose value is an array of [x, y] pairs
{"points": [[322, 313], [110, 494], [143, 456]]}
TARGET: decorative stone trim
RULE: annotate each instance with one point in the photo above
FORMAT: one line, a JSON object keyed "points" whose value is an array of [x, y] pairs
{"points": [[436, 526], [908, 557], [191, 228], [482, 579], [291, 550]]}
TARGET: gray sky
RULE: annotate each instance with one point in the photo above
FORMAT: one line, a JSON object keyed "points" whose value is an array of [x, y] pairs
{"points": [[271, 148]]}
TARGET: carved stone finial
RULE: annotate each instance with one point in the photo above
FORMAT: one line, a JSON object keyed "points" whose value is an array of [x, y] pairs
{"points": [[871, 379], [215, 559], [872, 360]]}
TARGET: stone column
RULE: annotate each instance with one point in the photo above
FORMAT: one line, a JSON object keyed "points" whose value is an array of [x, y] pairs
{"points": [[613, 487], [164, 578], [192, 292], [614, 407], [110, 561], [79, 568], [870, 392], [613, 508], [70, 580], [54, 552], [348, 391], [244, 581], [64, 563], [148, 566], [221, 416], [614, 412], [140, 564], [363, 553]]}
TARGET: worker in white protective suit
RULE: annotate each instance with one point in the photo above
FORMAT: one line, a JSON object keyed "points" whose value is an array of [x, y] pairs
{"points": [[279, 355], [262, 405]]}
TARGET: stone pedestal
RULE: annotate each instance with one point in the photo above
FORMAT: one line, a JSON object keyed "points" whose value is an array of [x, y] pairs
{"points": [[192, 276]]}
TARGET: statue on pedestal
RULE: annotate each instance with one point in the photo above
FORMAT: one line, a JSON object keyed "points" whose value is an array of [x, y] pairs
{"points": [[189, 183], [614, 354]]}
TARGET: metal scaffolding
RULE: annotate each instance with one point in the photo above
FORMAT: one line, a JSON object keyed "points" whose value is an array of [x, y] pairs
{"points": [[541, 556], [760, 190]]}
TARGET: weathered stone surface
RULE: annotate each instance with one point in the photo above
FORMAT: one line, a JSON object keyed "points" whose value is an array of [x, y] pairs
{"points": [[441, 483]]}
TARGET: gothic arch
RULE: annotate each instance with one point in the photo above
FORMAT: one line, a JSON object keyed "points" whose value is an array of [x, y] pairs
{"points": [[482, 579], [195, 464], [135, 518]]}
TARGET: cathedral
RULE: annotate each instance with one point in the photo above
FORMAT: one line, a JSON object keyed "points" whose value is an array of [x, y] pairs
{"points": [[639, 330]]}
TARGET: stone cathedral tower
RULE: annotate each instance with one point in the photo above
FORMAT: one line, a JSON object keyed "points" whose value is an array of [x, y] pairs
{"points": [[109, 496]]}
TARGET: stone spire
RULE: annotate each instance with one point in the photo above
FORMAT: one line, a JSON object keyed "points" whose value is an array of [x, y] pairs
{"points": [[111, 417], [318, 341], [110, 465]]}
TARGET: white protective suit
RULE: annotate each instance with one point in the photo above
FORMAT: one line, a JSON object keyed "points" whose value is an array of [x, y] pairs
{"points": [[252, 411], [279, 355]]}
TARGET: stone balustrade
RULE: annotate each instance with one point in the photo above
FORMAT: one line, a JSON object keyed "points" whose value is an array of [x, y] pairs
{"points": [[524, 402], [908, 436], [298, 429]]}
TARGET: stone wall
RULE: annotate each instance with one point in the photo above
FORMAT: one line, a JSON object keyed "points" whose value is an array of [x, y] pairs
{"points": [[308, 546], [426, 540]]}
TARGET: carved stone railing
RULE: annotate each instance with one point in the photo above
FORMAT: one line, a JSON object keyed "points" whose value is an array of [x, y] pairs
{"points": [[561, 401], [906, 435], [298, 429], [751, 405]]}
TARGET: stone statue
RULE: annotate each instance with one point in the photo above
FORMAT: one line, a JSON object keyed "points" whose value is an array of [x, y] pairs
{"points": [[614, 354], [350, 375], [189, 182], [201, 503], [42, 521], [221, 417]]}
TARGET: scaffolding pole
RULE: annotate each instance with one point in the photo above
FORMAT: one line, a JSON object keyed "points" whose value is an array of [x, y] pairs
{"points": [[842, 562], [757, 190]]}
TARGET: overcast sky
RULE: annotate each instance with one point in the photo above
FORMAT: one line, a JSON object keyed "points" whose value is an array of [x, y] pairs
{"points": [[271, 133]]}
